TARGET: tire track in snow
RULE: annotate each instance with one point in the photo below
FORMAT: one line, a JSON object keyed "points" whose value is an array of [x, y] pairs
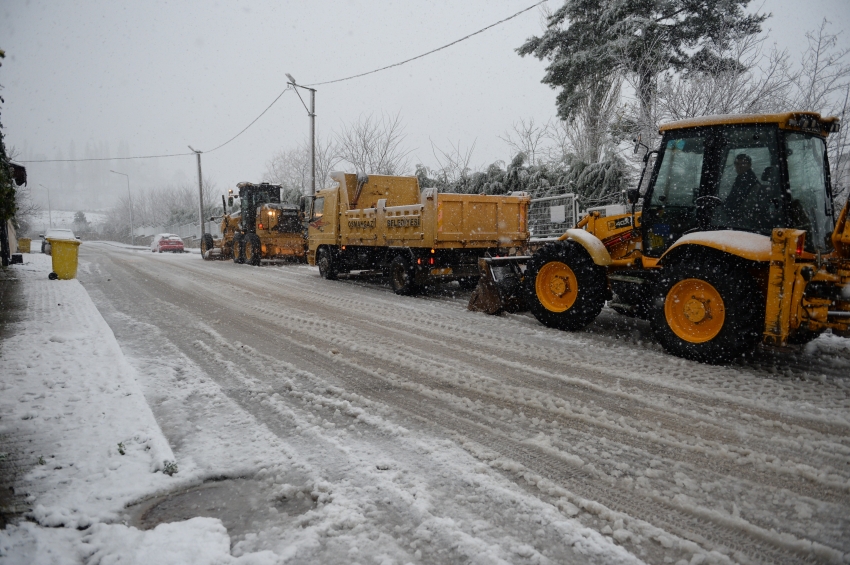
{"points": [[320, 332]]}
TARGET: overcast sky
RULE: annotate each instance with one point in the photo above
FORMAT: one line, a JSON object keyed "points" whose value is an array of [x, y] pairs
{"points": [[153, 77]]}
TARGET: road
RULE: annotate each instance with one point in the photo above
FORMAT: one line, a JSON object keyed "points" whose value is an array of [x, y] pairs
{"points": [[521, 443]]}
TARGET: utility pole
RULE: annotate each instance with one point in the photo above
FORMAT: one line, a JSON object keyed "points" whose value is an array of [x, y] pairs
{"points": [[49, 213], [311, 111], [201, 219], [130, 201]]}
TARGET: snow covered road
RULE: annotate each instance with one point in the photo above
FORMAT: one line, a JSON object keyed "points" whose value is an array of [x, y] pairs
{"points": [[426, 433]]}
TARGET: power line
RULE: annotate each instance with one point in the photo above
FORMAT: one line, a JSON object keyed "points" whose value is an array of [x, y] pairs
{"points": [[482, 30], [252, 123], [103, 158]]}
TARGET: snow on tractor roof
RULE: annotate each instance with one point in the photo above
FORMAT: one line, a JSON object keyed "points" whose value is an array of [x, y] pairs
{"points": [[809, 121]]}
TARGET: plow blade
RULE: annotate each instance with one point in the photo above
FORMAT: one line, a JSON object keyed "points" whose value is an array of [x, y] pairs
{"points": [[500, 286]]}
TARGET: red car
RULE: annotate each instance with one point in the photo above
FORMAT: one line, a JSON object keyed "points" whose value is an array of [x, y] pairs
{"points": [[167, 242]]}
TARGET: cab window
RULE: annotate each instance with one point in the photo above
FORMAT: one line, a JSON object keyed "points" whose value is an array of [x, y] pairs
{"points": [[676, 185], [318, 208], [749, 187], [679, 174], [810, 208]]}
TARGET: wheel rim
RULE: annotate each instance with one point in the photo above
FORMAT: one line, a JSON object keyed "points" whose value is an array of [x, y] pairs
{"points": [[556, 286], [249, 251], [694, 311]]}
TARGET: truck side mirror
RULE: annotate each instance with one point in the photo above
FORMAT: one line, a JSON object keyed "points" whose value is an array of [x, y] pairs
{"points": [[230, 201], [633, 195]]}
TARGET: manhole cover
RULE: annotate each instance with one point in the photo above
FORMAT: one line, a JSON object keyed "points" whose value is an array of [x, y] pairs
{"points": [[242, 505]]}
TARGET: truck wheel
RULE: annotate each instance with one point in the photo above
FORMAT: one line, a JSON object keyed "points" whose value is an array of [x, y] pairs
{"points": [[710, 311], [402, 276], [238, 249], [566, 289], [327, 269], [253, 249], [206, 246]]}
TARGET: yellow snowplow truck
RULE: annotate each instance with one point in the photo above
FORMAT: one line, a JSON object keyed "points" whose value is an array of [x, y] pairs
{"points": [[263, 228], [387, 225], [736, 242]]}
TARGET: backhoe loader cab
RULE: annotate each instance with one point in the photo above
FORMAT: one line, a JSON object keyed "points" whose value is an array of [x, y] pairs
{"points": [[741, 174], [736, 243]]}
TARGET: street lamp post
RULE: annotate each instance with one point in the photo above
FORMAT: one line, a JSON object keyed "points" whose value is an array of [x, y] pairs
{"points": [[311, 111], [130, 200], [201, 219], [49, 213]]}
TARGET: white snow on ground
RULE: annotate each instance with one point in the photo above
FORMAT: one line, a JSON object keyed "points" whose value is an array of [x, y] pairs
{"points": [[67, 384], [71, 387]]}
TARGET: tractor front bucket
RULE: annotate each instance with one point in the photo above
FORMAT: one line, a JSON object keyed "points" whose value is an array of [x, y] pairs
{"points": [[500, 286]]}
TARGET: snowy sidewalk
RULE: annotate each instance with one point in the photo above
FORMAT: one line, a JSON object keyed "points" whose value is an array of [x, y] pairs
{"points": [[74, 421]]}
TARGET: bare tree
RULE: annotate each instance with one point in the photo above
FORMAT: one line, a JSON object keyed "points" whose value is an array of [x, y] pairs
{"points": [[755, 82], [290, 168], [163, 206], [527, 138], [454, 164], [823, 85], [375, 145], [825, 72], [586, 136]]}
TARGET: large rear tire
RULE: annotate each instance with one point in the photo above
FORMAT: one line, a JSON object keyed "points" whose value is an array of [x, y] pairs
{"points": [[238, 248], [711, 310], [565, 288], [325, 261], [402, 275], [253, 249], [206, 246]]}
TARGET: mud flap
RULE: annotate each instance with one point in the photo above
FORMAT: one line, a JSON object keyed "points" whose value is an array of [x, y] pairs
{"points": [[500, 286]]}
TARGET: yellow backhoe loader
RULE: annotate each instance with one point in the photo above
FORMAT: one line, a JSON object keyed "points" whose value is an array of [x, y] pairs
{"points": [[736, 243]]}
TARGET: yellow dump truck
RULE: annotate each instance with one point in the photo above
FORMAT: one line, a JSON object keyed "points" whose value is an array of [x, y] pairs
{"points": [[263, 228], [386, 224], [736, 243]]}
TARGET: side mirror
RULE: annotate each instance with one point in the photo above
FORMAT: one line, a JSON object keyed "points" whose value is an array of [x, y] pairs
{"points": [[633, 195], [230, 201], [41, 235], [637, 143]]}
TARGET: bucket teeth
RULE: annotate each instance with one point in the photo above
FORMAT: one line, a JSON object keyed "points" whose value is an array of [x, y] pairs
{"points": [[485, 298]]}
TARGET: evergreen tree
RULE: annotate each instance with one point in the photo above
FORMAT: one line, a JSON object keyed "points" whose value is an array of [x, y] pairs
{"points": [[588, 41]]}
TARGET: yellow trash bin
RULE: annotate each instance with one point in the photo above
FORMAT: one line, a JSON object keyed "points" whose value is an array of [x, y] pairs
{"points": [[24, 244], [64, 254]]}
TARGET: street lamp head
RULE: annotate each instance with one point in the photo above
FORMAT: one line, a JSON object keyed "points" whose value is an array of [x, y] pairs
{"points": [[289, 76], [193, 149]]}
